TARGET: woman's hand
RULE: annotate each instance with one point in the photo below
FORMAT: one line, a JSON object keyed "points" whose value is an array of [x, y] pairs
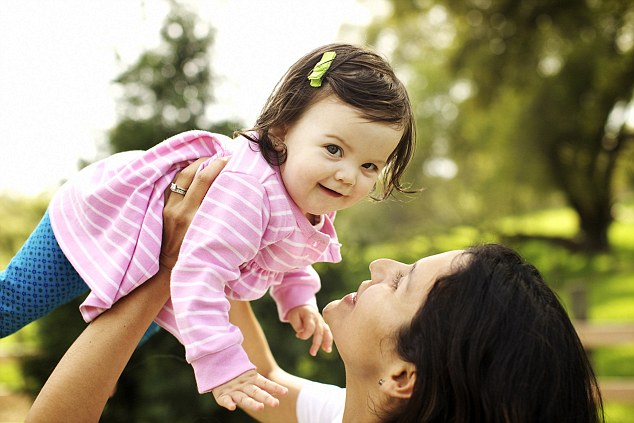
{"points": [[105, 346], [179, 209]]}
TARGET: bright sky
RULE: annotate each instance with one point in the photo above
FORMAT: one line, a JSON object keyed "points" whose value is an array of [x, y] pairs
{"points": [[58, 58]]}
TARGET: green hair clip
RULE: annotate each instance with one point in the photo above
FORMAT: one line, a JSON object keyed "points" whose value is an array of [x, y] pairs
{"points": [[320, 68]]}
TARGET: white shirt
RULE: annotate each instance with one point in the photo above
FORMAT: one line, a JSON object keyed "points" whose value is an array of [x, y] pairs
{"points": [[320, 403]]}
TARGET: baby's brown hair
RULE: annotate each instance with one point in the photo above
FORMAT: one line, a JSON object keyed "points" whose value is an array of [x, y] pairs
{"points": [[360, 78]]}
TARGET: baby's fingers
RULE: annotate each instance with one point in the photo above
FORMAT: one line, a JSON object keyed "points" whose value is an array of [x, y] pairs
{"points": [[270, 387], [326, 342], [262, 398], [255, 400], [227, 402], [248, 403], [296, 322], [307, 330], [317, 341]]}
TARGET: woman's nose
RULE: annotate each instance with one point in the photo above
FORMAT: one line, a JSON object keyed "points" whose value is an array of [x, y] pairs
{"points": [[380, 268]]}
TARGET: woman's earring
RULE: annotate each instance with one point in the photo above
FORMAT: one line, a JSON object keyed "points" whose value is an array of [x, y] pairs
{"points": [[381, 382]]}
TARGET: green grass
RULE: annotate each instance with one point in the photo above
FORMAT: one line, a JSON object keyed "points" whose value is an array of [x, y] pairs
{"points": [[618, 413], [24, 340], [608, 277], [552, 222], [11, 379]]}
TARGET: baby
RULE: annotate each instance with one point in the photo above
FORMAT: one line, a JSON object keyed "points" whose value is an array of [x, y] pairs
{"points": [[338, 123]]}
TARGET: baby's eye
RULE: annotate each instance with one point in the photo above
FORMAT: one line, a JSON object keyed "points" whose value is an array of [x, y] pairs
{"points": [[370, 166], [397, 280], [334, 150]]}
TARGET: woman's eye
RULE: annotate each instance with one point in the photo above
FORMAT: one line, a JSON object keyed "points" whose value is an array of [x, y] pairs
{"points": [[334, 150], [397, 280], [370, 166]]}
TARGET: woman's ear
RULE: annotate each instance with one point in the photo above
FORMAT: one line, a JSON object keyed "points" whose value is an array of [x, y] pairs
{"points": [[400, 381]]}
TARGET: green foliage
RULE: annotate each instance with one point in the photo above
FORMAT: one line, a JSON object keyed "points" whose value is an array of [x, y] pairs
{"points": [[168, 89], [618, 413], [527, 99], [56, 331], [11, 376], [18, 216]]}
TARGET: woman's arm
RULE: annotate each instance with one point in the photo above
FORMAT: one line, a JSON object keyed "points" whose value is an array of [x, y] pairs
{"points": [[257, 348], [85, 377]]}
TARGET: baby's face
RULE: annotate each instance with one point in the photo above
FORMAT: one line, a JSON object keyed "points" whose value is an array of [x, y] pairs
{"points": [[334, 156]]}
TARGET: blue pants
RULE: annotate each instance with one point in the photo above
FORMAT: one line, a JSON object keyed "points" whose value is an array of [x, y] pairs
{"points": [[38, 280]]}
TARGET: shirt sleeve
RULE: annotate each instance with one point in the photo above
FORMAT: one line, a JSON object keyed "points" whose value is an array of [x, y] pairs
{"points": [[225, 232], [320, 403], [297, 288]]}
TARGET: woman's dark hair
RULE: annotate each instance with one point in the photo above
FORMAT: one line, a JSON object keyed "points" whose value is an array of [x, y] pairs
{"points": [[492, 343], [358, 77]]}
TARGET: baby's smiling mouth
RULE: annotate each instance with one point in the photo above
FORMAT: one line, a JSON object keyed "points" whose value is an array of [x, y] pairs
{"points": [[330, 192]]}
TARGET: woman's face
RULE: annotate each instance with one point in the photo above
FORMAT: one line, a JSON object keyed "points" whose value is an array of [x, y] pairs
{"points": [[364, 323]]}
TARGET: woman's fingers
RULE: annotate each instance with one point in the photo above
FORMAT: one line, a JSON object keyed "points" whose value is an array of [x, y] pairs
{"points": [[179, 209], [200, 184], [185, 176]]}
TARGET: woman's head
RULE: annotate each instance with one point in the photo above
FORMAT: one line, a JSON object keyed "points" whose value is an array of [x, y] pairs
{"points": [[358, 78], [478, 336], [364, 323], [493, 343]]}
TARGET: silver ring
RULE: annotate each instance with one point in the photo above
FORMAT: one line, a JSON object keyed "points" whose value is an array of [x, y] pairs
{"points": [[178, 190]]}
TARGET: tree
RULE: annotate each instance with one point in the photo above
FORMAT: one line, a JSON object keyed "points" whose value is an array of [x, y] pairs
{"points": [[541, 87], [168, 89]]}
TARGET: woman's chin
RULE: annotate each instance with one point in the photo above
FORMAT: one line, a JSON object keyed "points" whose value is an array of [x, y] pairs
{"points": [[327, 311], [334, 312]]}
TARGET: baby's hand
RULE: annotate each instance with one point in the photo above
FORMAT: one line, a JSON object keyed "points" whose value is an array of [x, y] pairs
{"points": [[250, 391], [307, 321]]}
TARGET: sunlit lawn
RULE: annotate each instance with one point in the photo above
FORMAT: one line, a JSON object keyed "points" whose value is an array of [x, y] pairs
{"points": [[610, 279]]}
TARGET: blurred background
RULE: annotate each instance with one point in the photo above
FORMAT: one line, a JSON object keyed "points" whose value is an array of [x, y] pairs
{"points": [[525, 125]]}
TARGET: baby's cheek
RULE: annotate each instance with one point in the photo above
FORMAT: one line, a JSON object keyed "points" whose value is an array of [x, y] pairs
{"points": [[369, 187]]}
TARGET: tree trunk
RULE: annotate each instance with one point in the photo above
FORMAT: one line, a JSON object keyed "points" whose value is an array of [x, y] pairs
{"points": [[593, 232]]}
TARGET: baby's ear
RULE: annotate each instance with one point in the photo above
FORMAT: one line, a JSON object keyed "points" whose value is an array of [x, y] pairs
{"points": [[277, 136]]}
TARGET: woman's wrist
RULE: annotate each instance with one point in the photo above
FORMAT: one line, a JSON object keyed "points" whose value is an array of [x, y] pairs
{"points": [[166, 263]]}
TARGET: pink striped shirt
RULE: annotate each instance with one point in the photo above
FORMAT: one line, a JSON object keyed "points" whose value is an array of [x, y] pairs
{"points": [[247, 236]]}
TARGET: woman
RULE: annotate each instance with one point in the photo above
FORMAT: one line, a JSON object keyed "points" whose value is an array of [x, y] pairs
{"points": [[461, 336], [471, 335]]}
